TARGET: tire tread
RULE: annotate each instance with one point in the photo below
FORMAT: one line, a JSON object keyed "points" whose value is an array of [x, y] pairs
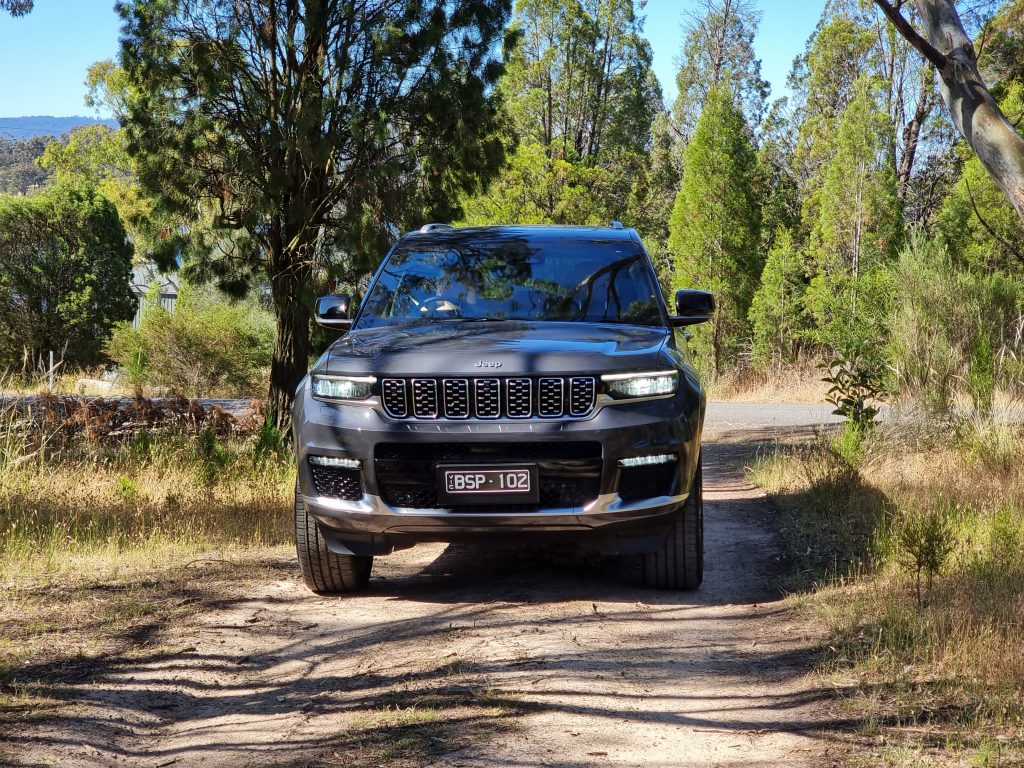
{"points": [[323, 571], [679, 564]]}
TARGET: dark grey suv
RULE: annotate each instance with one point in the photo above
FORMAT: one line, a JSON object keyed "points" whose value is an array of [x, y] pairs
{"points": [[500, 383]]}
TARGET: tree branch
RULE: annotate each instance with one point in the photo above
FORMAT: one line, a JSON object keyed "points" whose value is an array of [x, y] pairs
{"points": [[905, 28]]}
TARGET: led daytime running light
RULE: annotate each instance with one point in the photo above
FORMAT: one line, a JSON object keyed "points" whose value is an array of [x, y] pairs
{"points": [[653, 384], [646, 461], [334, 461]]}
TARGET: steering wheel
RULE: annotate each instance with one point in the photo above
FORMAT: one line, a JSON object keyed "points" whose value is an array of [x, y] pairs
{"points": [[440, 306]]}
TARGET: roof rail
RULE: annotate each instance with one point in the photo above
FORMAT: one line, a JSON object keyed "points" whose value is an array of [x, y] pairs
{"points": [[616, 224], [434, 228]]}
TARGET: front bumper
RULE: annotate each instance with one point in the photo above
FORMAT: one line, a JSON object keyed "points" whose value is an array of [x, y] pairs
{"points": [[607, 522]]}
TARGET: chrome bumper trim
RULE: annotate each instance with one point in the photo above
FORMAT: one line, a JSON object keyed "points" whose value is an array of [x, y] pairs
{"points": [[606, 503]]}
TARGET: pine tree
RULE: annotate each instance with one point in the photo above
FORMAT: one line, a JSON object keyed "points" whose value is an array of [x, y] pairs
{"points": [[856, 230], [715, 227], [777, 309], [719, 50], [311, 125]]}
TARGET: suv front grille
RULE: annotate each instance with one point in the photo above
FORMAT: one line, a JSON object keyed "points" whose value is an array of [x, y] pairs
{"points": [[549, 397], [424, 398]]}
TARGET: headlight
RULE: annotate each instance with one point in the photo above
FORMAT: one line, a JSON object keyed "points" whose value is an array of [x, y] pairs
{"points": [[657, 383], [343, 387]]}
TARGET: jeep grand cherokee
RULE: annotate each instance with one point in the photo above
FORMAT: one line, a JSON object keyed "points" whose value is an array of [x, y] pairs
{"points": [[501, 382]]}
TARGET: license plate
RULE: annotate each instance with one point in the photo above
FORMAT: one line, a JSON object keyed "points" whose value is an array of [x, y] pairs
{"points": [[488, 484]]}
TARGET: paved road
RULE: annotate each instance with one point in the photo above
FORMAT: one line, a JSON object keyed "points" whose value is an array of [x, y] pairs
{"points": [[788, 415]]}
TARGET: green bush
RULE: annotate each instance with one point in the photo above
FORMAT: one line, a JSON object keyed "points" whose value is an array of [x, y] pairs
{"points": [[208, 345], [953, 331], [65, 266]]}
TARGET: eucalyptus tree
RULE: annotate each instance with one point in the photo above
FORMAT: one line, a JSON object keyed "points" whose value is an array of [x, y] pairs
{"points": [[946, 45]]}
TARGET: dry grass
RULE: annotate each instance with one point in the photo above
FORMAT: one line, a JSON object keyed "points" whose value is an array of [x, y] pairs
{"points": [[106, 518], [928, 652], [799, 383]]}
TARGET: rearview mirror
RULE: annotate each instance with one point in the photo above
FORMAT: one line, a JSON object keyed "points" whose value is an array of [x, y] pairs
{"points": [[693, 306], [333, 311]]}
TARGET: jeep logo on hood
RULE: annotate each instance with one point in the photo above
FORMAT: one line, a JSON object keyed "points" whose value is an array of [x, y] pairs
{"points": [[488, 364]]}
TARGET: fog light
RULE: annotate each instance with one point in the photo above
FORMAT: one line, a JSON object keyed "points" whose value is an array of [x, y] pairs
{"points": [[334, 461], [646, 461]]}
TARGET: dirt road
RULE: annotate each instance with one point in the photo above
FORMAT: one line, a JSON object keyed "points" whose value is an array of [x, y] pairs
{"points": [[463, 656]]}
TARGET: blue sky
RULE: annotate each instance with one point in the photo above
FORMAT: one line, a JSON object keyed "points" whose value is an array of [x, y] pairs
{"points": [[43, 56]]}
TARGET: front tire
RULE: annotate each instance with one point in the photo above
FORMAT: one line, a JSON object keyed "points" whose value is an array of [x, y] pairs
{"points": [[679, 564], [323, 571]]}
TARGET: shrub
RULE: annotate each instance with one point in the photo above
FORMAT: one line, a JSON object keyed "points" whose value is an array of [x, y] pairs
{"points": [[925, 538], [854, 385], [65, 266], [953, 330], [208, 345]]}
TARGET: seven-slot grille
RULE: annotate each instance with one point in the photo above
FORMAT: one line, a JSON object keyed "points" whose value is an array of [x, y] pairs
{"points": [[548, 397]]}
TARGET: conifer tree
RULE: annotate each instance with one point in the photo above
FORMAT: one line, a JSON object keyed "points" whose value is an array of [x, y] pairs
{"points": [[777, 309], [715, 227], [857, 227]]}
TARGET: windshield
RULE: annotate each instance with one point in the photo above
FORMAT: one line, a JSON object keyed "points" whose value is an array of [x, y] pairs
{"points": [[515, 279]]}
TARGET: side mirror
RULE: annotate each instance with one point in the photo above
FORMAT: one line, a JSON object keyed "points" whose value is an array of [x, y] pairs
{"points": [[692, 307], [333, 311]]}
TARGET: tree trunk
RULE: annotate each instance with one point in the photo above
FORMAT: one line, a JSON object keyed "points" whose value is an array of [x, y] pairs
{"points": [[975, 113], [973, 110], [912, 136], [291, 345]]}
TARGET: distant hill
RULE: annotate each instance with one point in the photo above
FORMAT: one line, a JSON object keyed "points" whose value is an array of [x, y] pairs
{"points": [[15, 128]]}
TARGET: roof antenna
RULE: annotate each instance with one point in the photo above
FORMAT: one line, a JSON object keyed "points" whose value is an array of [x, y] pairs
{"points": [[616, 224]]}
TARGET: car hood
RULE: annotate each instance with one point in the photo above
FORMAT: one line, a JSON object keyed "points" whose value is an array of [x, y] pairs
{"points": [[495, 348]]}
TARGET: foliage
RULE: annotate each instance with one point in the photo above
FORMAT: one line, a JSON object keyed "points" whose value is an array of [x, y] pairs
{"points": [[715, 223], [976, 221], [856, 230], [776, 312], [719, 51], [652, 196], [579, 79], [19, 173], [298, 123], [981, 375], [16, 7], [950, 326], [582, 99], [208, 345], [926, 540], [825, 80], [96, 155], [853, 386], [65, 265], [534, 189]]}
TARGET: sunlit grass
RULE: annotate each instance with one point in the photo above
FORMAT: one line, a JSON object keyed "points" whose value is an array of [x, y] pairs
{"points": [[911, 647]]}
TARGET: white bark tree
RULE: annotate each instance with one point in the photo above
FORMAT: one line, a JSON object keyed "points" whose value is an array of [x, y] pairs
{"points": [[971, 106]]}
